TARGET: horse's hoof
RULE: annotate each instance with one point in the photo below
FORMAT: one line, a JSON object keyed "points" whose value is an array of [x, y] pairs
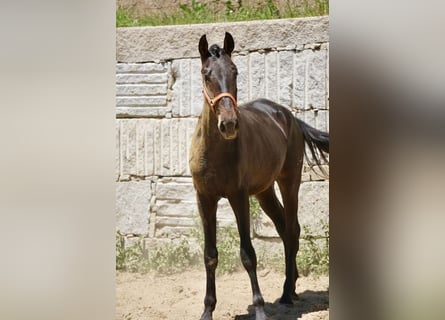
{"points": [[261, 317], [286, 300], [259, 314], [295, 297], [206, 316]]}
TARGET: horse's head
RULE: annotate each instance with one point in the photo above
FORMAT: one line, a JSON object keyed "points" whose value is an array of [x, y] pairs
{"points": [[219, 84]]}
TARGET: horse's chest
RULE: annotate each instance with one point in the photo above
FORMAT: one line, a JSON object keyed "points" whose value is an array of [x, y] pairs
{"points": [[210, 177]]}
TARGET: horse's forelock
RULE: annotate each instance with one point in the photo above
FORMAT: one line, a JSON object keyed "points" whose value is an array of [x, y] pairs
{"points": [[215, 51]]}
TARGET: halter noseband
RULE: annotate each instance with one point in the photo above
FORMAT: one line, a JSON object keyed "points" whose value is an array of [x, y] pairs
{"points": [[214, 101]]}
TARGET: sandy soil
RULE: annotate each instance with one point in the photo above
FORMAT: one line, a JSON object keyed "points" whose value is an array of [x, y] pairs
{"points": [[180, 296]]}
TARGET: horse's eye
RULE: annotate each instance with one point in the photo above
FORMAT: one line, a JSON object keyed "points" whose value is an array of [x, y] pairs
{"points": [[206, 71], [235, 70]]}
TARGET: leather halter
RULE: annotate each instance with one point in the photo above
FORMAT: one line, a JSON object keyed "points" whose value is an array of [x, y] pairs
{"points": [[214, 101]]}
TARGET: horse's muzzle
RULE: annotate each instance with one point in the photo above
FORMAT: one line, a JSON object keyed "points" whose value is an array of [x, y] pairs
{"points": [[228, 128], [227, 119]]}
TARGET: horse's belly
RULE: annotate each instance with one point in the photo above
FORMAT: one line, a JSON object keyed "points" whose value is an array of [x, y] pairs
{"points": [[262, 178]]}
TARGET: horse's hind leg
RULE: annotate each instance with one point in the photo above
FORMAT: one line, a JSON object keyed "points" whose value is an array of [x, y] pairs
{"points": [[275, 211], [273, 208], [240, 205], [289, 187]]}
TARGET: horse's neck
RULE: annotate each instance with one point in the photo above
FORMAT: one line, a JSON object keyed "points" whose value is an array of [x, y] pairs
{"points": [[209, 125], [211, 140]]}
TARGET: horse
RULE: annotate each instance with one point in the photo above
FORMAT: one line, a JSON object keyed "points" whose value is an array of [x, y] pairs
{"points": [[242, 150]]}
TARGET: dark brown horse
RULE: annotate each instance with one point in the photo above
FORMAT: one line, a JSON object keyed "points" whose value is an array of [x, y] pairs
{"points": [[239, 151]]}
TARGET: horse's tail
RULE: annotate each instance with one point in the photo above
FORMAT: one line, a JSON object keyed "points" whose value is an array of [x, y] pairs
{"points": [[318, 143]]}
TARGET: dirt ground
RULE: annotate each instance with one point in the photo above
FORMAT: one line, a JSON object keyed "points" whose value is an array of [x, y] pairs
{"points": [[180, 296]]}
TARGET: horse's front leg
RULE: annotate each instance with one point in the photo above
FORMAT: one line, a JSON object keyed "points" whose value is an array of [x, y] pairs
{"points": [[240, 205], [207, 210]]}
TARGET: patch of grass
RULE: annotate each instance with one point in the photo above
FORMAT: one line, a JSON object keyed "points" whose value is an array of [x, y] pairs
{"points": [[167, 259], [255, 209], [125, 17], [173, 258], [197, 12], [313, 256], [133, 258], [228, 245]]}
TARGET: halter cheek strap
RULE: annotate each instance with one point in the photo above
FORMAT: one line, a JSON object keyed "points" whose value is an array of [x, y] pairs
{"points": [[214, 101]]}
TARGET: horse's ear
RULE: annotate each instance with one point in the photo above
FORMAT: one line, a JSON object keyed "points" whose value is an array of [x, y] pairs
{"points": [[203, 48], [229, 44]]}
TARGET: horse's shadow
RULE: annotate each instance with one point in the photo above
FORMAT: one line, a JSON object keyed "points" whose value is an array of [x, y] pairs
{"points": [[309, 301]]}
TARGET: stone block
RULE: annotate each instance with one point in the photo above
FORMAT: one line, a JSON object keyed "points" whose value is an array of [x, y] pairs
{"points": [[175, 189], [224, 214], [300, 75], [177, 208], [187, 98], [285, 62], [155, 147], [318, 119], [196, 95], [133, 206], [313, 207], [141, 78], [316, 174], [314, 204], [169, 232], [171, 42], [141, 112], [139, 101], [117, 163], [322, 120], [268, 248], [127, 147], [175, 222], [181, 87], [263, 227], [171, 214], [132, 241], [305, 173], [316, 80], [257, 81], [141, 67], [242, 64], [271, 75], [308, 116], [141, 89]]}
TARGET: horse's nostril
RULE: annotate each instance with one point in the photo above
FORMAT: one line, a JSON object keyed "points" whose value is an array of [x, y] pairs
{"points": [[228, 126]]}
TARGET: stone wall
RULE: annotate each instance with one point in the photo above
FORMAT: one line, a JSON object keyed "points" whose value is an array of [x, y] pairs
{"points": [[158, 100]]}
